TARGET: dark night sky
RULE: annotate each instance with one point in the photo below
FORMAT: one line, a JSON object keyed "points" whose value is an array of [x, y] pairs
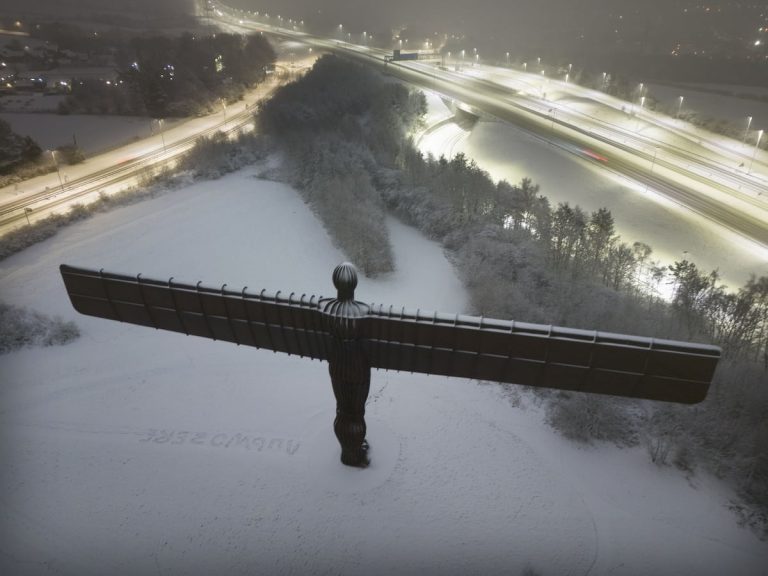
{"points": [[562, 28]]}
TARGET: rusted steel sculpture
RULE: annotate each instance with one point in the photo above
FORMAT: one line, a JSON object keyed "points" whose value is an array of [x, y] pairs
{"points": [[354, 337]]}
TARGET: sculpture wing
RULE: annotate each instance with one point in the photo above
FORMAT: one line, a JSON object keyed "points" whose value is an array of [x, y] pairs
{"points": [[291, 325], [538, 355], [430, 343]]}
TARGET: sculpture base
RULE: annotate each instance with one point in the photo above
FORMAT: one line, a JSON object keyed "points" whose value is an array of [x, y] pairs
{"points": [[357, 458]]}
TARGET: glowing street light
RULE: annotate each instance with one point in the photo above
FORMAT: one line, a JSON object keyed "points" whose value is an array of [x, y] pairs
{"points": [[525, 66], [680, 106], [757, 144], [160, 123], [55, 163], [749, 122]]}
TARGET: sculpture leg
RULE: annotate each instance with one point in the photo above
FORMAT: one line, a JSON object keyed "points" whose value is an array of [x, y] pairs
{"points": [[350, 387]]}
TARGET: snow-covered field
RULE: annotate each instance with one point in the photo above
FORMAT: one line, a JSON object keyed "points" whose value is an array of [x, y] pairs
{"points": [[509, 153], [720, 106], [133, 451]]}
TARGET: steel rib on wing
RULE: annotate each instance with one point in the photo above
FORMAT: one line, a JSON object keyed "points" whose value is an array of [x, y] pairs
{"points": [[538, 355], [397, 339], [283, 324]]}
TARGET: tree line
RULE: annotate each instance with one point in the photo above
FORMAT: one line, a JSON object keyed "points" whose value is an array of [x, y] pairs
{"points": [[174, 76]]}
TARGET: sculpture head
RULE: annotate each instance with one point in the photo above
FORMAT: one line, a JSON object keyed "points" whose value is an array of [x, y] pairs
{"points": [[345, 281]]}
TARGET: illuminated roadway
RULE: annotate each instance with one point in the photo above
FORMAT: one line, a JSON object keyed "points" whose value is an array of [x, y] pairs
{"points": [[695, 169], [120, 168], [698, 170]]}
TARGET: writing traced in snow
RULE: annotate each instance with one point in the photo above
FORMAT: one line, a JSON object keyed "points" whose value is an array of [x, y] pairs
{"points": [[221, 440]]}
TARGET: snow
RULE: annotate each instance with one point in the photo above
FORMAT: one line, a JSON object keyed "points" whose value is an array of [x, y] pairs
{"points": [[133, 451], [720, 106]]}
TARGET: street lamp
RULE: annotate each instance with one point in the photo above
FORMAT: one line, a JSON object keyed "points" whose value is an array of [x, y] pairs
{"points": [[160, 123], [757, 144], [749, 122], [525, 66], [680, 106], [653, 163], [55, 163], [642, 102]]}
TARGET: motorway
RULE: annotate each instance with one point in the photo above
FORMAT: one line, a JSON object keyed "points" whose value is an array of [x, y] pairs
{"points": [[715, 177], [122, 167]]}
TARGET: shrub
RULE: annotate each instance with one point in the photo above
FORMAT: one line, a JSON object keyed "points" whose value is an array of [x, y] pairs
{"points": [[21, 327]]}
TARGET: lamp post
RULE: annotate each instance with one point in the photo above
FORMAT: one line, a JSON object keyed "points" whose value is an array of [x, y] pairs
{"points": [[757, 144], [642, 102], [680, 106], [653, 163], [746, 130], [55, 163], [160, 123]]}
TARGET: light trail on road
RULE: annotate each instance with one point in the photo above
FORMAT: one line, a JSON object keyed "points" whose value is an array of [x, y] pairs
{"points": [[690, 177], [15, 211]]}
